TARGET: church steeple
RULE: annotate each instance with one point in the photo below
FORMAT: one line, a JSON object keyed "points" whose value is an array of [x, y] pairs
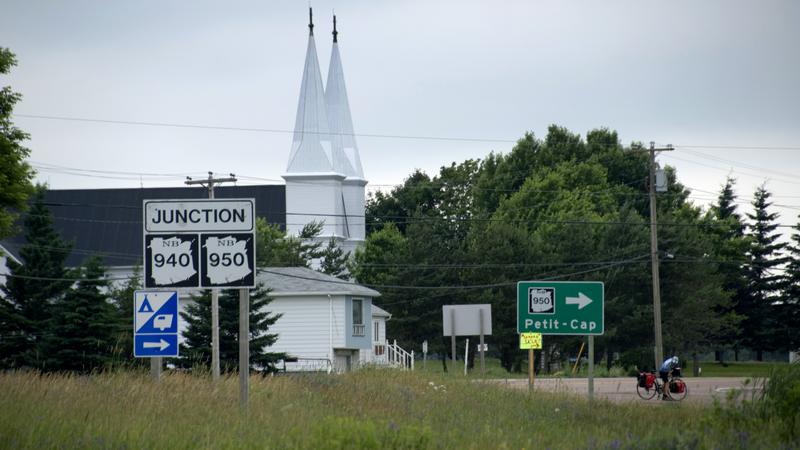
{"points": [[340, 122], [311, 146]]}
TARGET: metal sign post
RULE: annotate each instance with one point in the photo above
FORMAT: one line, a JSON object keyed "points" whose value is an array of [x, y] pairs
{"points": [[244, 348], [424, 354], [483, 365], [591, 367], [466, 356], [155, 369], [453, 335]]}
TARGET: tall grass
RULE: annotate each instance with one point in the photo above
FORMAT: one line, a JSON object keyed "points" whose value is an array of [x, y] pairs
{"points": [[367, 409], [774, 400]]}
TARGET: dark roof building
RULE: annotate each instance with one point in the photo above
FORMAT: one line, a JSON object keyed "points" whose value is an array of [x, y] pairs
{"points": [[108, 222]]}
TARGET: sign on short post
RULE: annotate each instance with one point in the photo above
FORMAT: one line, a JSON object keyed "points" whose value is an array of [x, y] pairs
{"points": [[530, 341], [155, 324]]}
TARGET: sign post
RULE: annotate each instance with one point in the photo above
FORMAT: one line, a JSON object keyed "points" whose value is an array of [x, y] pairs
{"points": [[562, 308], [483, 365], [530, 341], [424, 354], [191, 243], [155, 327], [244, 348], [466, 320]]}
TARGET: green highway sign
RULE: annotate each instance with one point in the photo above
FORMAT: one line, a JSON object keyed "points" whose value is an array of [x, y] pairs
{"points": [[560, 307]]}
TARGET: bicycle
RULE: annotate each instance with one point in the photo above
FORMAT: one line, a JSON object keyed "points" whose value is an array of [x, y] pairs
{"points": [[677, 389]]}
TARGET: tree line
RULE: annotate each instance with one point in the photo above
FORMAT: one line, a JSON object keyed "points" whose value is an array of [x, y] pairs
{"points": [[569, 208]]}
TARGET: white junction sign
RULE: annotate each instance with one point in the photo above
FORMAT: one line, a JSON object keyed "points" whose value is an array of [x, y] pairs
{"points": [[199, 243], [198, 215]]}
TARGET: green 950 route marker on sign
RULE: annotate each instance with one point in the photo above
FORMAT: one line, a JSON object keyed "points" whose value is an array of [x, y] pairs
{"points": [[560, 307]]}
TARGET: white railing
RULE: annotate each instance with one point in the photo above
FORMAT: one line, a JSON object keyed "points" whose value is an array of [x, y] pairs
{"points": [[399, 357], [359, 330]]}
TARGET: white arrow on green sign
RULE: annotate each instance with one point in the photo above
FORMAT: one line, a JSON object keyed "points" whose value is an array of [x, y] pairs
{"points": [[560, 307]]}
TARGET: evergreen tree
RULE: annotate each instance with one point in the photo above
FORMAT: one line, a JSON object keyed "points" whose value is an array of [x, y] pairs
{"points": [[729, 246], [82, 334], [789, 332], [16, 173], [763, 283], [333, 261], [32, 288], [196, 350], [274, 248], [122, 298]]}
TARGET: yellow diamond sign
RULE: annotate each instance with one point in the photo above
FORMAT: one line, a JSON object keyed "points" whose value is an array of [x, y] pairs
{"points": [[530, 341]]}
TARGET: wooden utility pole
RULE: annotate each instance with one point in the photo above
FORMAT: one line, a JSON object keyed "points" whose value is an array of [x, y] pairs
{"points": [[209, 184], [659, 347]]}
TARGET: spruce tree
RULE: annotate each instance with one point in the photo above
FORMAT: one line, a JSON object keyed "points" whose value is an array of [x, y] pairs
{"points": [[731, 243], [196, 350], [334, 261], [122, 298], [33, 287], [82, 334], [763, 280], [790, 315]]}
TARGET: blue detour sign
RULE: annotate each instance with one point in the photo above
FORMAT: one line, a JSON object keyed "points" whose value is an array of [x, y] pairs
{"points": [[155, 323]]}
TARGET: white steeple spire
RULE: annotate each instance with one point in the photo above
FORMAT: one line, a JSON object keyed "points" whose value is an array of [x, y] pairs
{"points": [[340, 123], [311, 145]]}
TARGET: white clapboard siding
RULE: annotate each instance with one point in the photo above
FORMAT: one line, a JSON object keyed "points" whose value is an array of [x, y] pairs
{"points": [[304, 329]]}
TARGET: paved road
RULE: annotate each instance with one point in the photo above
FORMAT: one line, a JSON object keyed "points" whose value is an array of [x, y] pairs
{"points": [[701, 390]]}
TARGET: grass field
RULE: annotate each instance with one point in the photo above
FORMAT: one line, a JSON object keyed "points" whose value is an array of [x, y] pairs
{"points": [[366, 409], [709, 369]]}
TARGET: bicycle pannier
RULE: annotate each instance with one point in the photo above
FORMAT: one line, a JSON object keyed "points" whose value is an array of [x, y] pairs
{"points": [[650, 380], [677, 387], [641, 380]]}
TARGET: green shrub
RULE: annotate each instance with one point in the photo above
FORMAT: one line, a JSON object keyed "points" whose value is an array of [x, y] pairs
{"points": [[774, 400]]}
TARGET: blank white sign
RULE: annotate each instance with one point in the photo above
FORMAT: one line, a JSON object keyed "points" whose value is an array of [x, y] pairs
{"points": [[467, 320]]}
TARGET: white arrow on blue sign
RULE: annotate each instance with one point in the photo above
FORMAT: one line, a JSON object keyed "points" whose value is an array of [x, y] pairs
{"points": [[155, 324]]}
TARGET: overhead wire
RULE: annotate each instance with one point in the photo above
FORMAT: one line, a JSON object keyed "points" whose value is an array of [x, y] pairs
{"points": [[370, 135]]}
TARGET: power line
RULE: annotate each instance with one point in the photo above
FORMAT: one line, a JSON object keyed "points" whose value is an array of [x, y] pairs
{"points": [[740, 147], [257, 130], [373, 135]]}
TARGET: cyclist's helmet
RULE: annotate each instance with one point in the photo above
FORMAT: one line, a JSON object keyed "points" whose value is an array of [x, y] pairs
{"points": [[675, 360]]}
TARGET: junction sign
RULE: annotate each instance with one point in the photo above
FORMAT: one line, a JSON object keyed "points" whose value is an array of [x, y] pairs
{"points": [[199, 243], [560, 307]]}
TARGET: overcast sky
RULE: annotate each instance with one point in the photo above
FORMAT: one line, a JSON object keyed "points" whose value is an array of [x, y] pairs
{"points": [[705, 76]]}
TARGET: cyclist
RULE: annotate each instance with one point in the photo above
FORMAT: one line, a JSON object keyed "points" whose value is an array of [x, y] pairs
{"points": [[665, 371]]}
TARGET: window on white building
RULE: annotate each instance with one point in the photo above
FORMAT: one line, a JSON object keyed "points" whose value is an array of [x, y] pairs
{"points": [[376, 335], [358, 311]]}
